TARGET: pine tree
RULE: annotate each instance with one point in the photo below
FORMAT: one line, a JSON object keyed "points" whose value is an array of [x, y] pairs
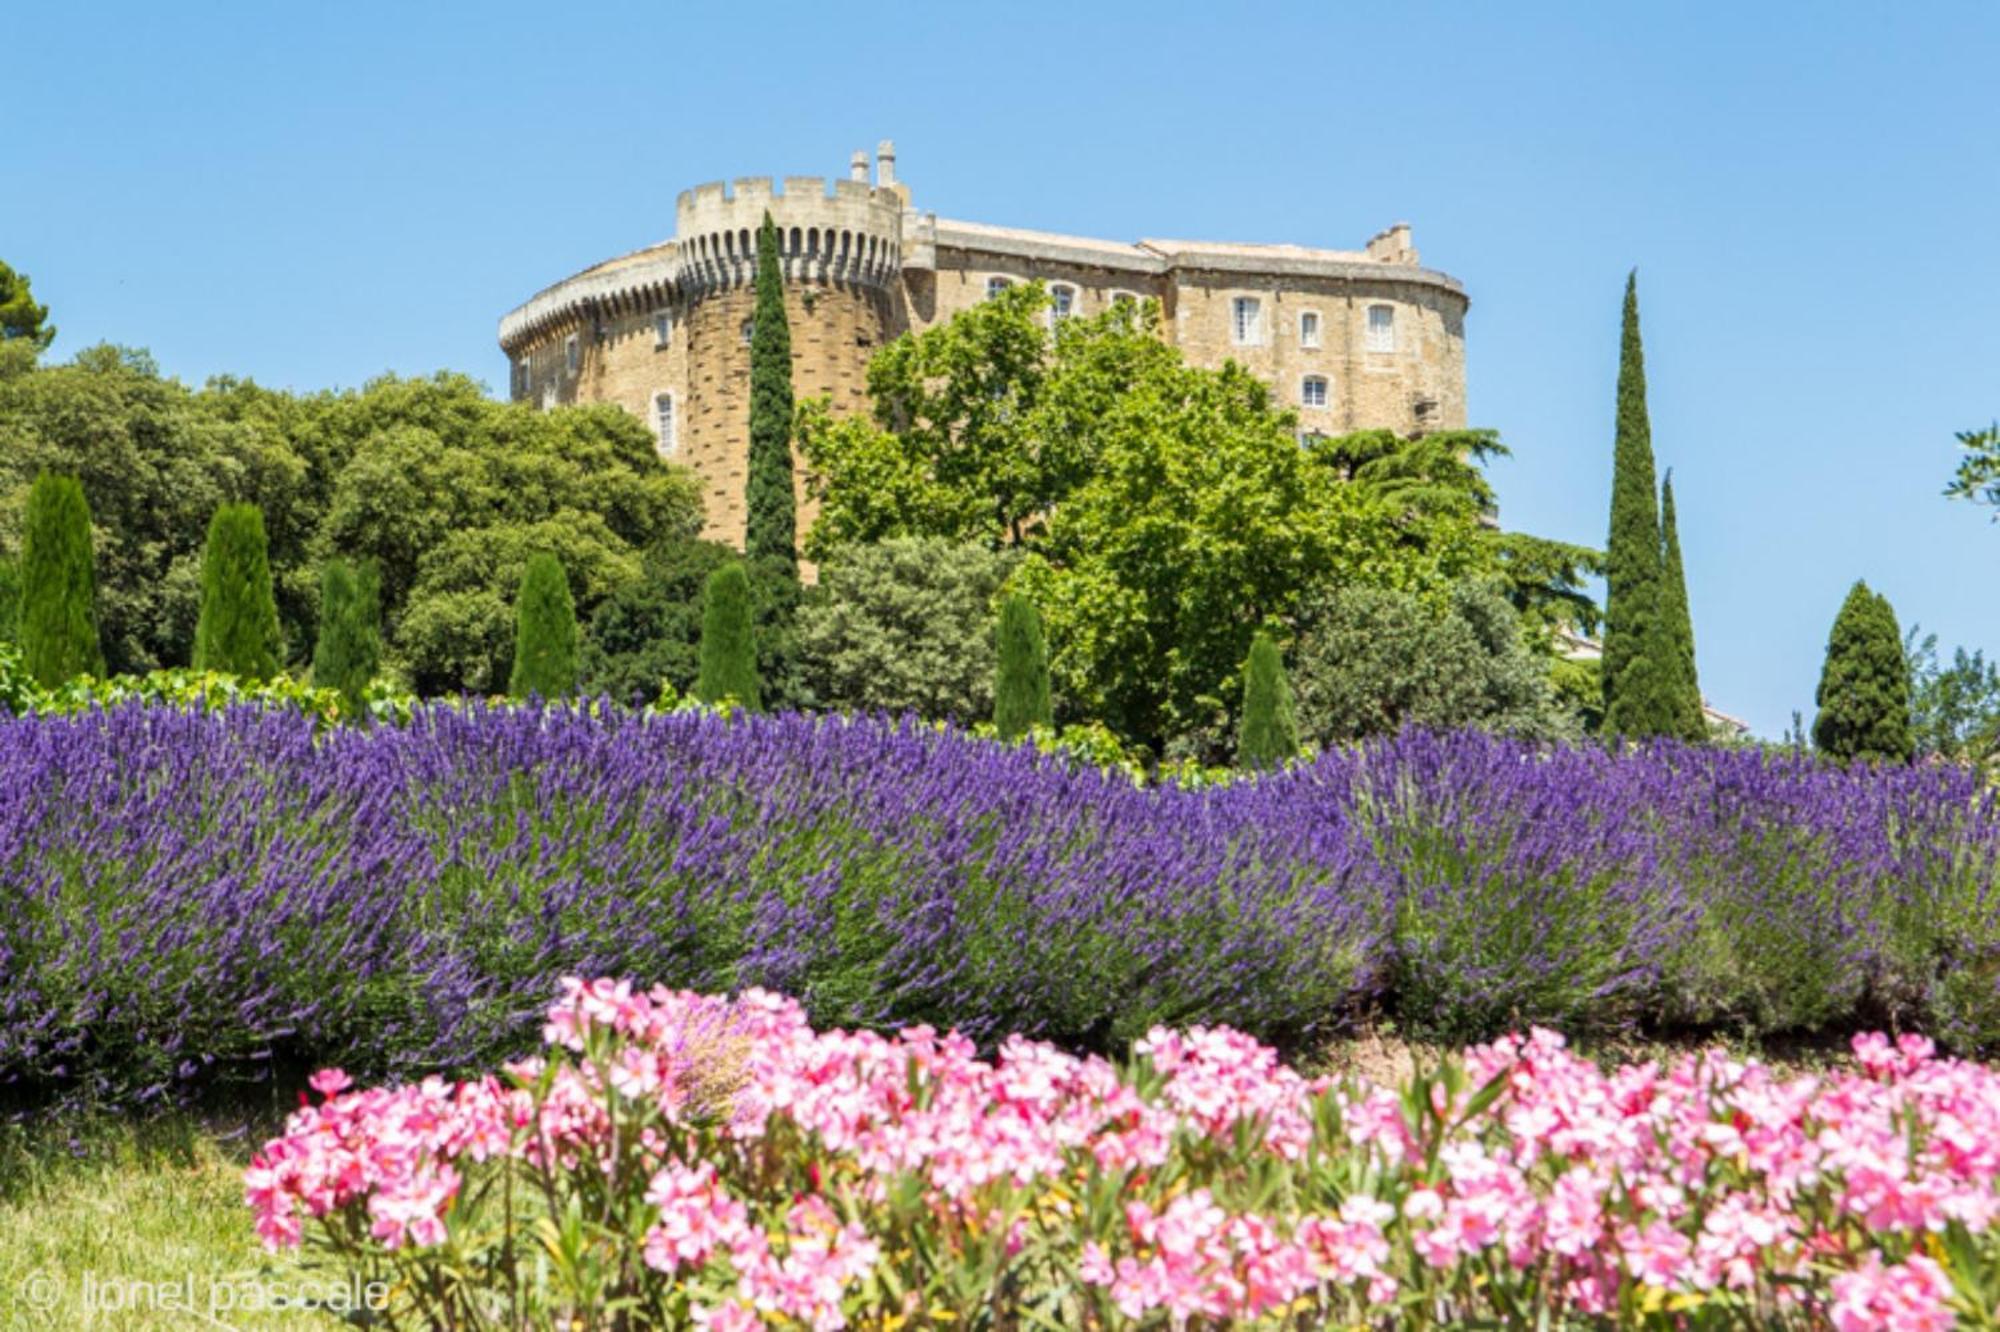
{"points": [[1640, 697], [349, 649], [1864, 689], [1269, 733], [771, 529], [237, 632], [1674, 598], [544, 632], [1021, 684], [729, 640], [58, 575]]}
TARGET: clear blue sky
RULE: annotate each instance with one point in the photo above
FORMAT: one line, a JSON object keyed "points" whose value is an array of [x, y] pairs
{"points": [[1811, 194]]}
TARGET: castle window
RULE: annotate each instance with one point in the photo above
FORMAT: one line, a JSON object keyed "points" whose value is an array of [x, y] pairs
{"points": [[1246, 321], [749, 331], [549, 397], [1381, 328], [663, 422], [1309, 328], [523, 378], [1312, 391], [663, 329], [572, 354], [996, 285], [1063, 302]]}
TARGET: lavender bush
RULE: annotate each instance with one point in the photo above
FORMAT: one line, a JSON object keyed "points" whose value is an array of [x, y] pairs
{"points": [[189, 900]]}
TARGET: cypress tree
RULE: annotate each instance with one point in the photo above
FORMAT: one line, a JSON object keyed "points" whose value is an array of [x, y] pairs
{"points": [[349, 649], [1269, 733], [729, 640], [1674, 598], [1640, 696], [1864, 689], [10, 601], [58, 615], [1021, 685], [238, 629], [544, 632], [771, 529]]}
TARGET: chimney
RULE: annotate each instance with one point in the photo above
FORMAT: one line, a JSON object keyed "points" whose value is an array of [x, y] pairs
{"points": [[885, 163], [857, 166]]}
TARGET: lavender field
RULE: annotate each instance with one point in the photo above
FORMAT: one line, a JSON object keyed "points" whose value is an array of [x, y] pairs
{"points": [[189, 902]]}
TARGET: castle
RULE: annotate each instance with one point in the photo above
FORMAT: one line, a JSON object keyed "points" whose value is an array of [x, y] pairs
{"points": [[1350, 339]]}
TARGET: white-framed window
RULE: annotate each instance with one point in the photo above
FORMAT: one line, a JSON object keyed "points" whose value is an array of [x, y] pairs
{"points": [[1312, 391], [1246, 321], [663, 422], [572, 354], [749, 331], [1308, 328], [663, 329], [1381, 328], [1062, 301], [996, 285]]}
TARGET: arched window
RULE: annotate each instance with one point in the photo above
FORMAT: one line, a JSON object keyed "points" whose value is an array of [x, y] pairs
{"points": [[663, 422], [996, 285], [1312, 391], [1381, 328], [1309, 328]]}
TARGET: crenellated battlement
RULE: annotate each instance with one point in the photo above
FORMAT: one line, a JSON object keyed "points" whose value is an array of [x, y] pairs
{"points": [[844, 231]]}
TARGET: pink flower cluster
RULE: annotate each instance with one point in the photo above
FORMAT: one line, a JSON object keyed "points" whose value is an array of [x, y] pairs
{"points": [[790, 1177]]}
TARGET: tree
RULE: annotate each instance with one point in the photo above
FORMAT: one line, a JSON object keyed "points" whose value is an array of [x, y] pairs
{"points": [[10, 601], [544, 632], [729, 641], [1370, 661], [1270, 734], [1641, 694], [1021, 683], [20, 317], [906, 625], [349, 650], [1955, 709], [58, 619], [771, 525], [1692, 722], [1864, 688], [1978, 476], [238, 629]]}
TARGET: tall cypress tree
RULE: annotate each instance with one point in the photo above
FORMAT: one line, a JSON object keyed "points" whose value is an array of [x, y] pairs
{"points": [[1640, 698], [544, 632], [1021, 685], [771, 531], [58, 616], [238, 629], [349, 649], [1864, 688], [729, 640], [1269, 732], [1674, 607]]}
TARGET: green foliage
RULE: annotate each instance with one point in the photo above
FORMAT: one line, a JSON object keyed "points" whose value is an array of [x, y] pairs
{"points": [[1641, 687], [1545, 579], [544, 632], [1371, 661], [20, 317], [771, 522], [1864, 688], [349, 651], [237, 633], [1955, 709], [1692, 722], [58, 617], [905, 625], [729, 641], [1270, 732], [1978, 476], [10, 601], [1021, 684]]}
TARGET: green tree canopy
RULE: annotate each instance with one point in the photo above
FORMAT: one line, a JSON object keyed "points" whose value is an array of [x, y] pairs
{"points": [[1955, 708], [349, 650], [20, 317], [58, 615], [1691, 720], [771, 520], [906, 625], [729, 640], [544, 632], [237, 631], [1021, 686], [1269, 734], [1864, 688]]}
